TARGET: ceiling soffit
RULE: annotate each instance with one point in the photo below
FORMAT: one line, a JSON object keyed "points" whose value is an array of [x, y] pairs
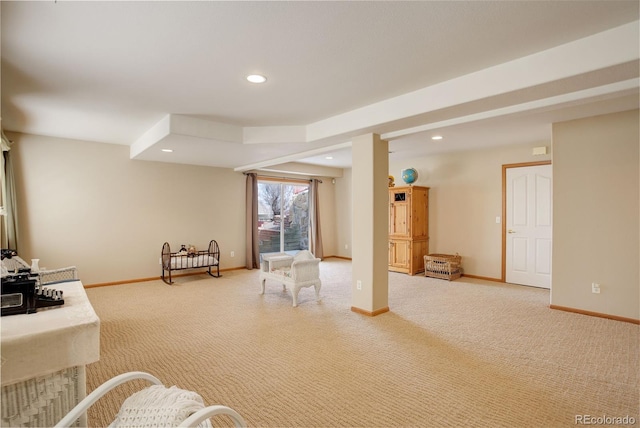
{"points": [[596, 66]]}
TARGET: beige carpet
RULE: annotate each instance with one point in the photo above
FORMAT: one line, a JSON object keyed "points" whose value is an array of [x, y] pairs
{"points": [[449, 354]]}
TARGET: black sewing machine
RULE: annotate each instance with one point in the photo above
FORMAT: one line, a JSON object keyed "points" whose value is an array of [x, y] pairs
{"points": [[21, 295]]}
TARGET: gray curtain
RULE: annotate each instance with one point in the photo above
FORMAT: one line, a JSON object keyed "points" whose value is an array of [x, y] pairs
{"points": [[315, 246], [252, 245], [9, 202]]}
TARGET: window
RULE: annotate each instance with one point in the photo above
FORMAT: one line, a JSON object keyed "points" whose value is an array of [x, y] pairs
{"points": [[283, 216]]}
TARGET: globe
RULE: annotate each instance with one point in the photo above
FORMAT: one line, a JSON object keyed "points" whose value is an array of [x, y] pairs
{"points": [[409, 175]]}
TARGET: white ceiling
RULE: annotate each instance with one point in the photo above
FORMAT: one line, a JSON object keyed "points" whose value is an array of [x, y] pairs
{"points": [[155, 75]]}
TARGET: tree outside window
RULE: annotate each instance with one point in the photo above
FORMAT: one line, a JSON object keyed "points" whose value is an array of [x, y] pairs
{"points": [[283, 217]]}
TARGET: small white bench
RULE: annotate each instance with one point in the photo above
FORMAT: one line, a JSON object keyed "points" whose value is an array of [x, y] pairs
{"points": [[297, 272]]}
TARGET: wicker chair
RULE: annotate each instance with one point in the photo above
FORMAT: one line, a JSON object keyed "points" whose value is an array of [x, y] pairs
{"points": [[155, 406], [297, 272], [53, 276]]}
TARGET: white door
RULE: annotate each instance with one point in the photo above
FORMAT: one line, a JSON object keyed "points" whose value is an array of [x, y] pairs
{"points": [[528, 224]]}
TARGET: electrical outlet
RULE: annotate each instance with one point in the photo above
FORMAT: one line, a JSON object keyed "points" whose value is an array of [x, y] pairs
{"points": [[160, 260], [346, 246], [595, 288], [233, 254], [359, 285]]}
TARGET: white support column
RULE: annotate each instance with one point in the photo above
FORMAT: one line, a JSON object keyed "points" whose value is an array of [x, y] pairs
{"points": [[370, 282]]}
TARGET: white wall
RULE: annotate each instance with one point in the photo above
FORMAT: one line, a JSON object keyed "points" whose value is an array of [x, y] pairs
{"points": [[87, 204], [596, 190], [465, 197]]}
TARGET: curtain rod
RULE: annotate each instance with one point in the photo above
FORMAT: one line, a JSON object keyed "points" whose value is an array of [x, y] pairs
{"points": [[283, 178]]}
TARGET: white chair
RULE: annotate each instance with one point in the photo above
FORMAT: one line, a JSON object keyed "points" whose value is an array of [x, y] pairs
{"points": [[297, 272], [53, 276], [154, 406]]}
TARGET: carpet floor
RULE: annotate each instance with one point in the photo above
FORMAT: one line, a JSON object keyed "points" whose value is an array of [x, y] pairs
{"points": [[448, 354]]}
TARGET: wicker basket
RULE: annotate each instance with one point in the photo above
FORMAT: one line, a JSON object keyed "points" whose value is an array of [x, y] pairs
{"points": [[443, 266]]}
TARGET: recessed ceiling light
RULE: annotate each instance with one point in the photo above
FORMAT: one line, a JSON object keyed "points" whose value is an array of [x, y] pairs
{"points": [[437, 137], [328, 157], [256, 78], [167, 150]]}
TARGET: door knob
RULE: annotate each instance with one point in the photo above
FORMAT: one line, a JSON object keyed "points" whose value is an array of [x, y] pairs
{"points": [[511, 231]]}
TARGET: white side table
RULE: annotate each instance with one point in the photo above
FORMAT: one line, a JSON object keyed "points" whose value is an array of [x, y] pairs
{"points": [[44, 355]]}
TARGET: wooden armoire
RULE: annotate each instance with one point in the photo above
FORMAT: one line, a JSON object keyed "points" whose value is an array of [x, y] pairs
{"points": [[408, 228]]}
